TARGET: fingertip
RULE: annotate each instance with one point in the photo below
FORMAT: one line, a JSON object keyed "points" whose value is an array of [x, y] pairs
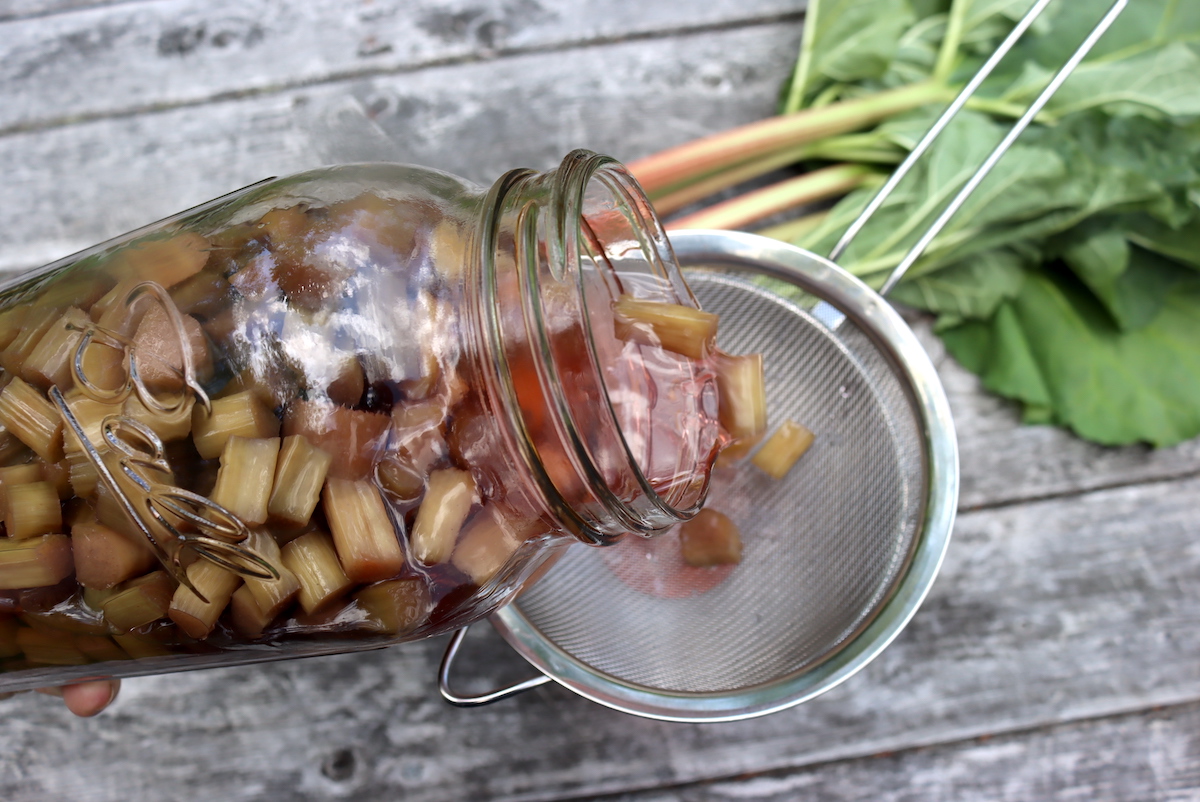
{"points": [[86, 699]]}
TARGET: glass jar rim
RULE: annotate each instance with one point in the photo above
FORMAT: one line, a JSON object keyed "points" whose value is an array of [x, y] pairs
{"points": [[568, 237]]}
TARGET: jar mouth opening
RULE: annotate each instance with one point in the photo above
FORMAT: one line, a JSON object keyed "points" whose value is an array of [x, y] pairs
{"points": [[620, 233], [584, 236]]}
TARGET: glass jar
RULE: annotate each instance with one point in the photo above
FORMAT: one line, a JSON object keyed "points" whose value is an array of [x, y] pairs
{"points": [[357, 406]]}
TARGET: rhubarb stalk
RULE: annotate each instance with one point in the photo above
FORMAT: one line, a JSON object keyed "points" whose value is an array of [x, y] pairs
{"points": [[672, 168]]}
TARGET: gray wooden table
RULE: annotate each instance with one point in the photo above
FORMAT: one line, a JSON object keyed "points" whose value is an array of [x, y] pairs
{"points": [[1058, 655]]}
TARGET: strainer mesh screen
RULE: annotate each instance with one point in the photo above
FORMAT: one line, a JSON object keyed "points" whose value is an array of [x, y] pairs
{"points": [[823, 547]]}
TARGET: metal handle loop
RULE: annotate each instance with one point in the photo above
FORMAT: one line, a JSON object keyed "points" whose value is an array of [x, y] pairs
{"points": [[994, 157], [482, 699]]}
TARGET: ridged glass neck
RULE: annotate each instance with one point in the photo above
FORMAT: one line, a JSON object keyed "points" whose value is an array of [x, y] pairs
{"points": [[557, 250]]}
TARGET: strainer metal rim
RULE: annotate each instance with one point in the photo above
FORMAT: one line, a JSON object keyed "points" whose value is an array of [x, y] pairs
{"points": [[726, 249]]}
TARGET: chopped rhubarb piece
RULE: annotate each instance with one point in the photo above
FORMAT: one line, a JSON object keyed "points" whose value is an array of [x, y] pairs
{"points": [[245, 616], [39, 321], [196, 618], [140, 646], [673, 327], [13, 475], [314, 560], [396, 606], [398, 477], [32, 509], [49, 363], [283, 226], [99, 648], [781, 451], [12, 323], [357, 438], [348, 386], [159, 354], [366, 540], [742, 395], [445, 507], [299, 476], [35, 563], [274, 594], [246, 475], [58, 476], [26, 413], [140, 601], [487, 543], [710, 538], [105, 557], [169, 426], [50, 648], [204, 294], [167, 261], [242, 414]]}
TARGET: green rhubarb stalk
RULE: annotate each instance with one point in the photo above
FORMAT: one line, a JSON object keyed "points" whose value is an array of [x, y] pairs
{"points": [[675, 167], [948, 53], [800, 77], [675, 199], [870, 147], [866, 147], [808, 188], [794, 229]]}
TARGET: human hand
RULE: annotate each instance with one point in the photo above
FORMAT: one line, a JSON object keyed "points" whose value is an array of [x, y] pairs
{"points": [[86, 699]]}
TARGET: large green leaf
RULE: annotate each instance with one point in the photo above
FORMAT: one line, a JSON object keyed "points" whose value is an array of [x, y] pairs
{"points": [[1182, 244], [1143, 25], [973, 288], [1159, 81], [1054, 346], [849, 40], [1030, 182], [1131, 283], [1107, 340]]}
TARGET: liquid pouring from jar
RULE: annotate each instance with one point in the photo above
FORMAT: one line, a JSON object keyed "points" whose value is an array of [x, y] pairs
{"points": [[839, 555]]}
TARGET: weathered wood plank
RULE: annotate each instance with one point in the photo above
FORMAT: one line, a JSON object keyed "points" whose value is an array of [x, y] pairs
{"points": [[129, 57], [1128, 758], [1068, 608], [69, 187], [24, 9], [1045, 613]]}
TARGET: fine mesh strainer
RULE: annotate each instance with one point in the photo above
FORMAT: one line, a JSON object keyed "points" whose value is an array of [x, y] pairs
{"points": [[837, 556]]}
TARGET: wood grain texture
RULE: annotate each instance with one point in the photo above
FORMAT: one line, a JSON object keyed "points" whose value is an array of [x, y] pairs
{"points": [[1130, 758], [1045, 613], [1068, 607], [25, 9], [70, 187], [137, 56]]}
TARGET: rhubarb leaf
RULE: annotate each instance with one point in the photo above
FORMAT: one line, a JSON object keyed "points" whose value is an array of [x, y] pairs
{"points": [[1131, 283], [850, 40], [973, 288], [1054, 347]]}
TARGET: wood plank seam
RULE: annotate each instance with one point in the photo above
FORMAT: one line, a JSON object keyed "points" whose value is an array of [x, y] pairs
{"points": [[28, 15], [337, 76], [1032, 498], [1181, 708]]}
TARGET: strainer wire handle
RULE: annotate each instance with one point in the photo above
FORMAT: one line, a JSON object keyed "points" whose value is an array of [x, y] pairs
{"points": [[454, 698], [980, 174]]}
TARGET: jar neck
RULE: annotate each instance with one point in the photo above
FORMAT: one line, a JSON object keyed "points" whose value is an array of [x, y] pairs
{"points": [[588, 412]]}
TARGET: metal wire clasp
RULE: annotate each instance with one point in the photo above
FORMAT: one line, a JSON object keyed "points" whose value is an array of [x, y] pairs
{"points": [[134, 469]]}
